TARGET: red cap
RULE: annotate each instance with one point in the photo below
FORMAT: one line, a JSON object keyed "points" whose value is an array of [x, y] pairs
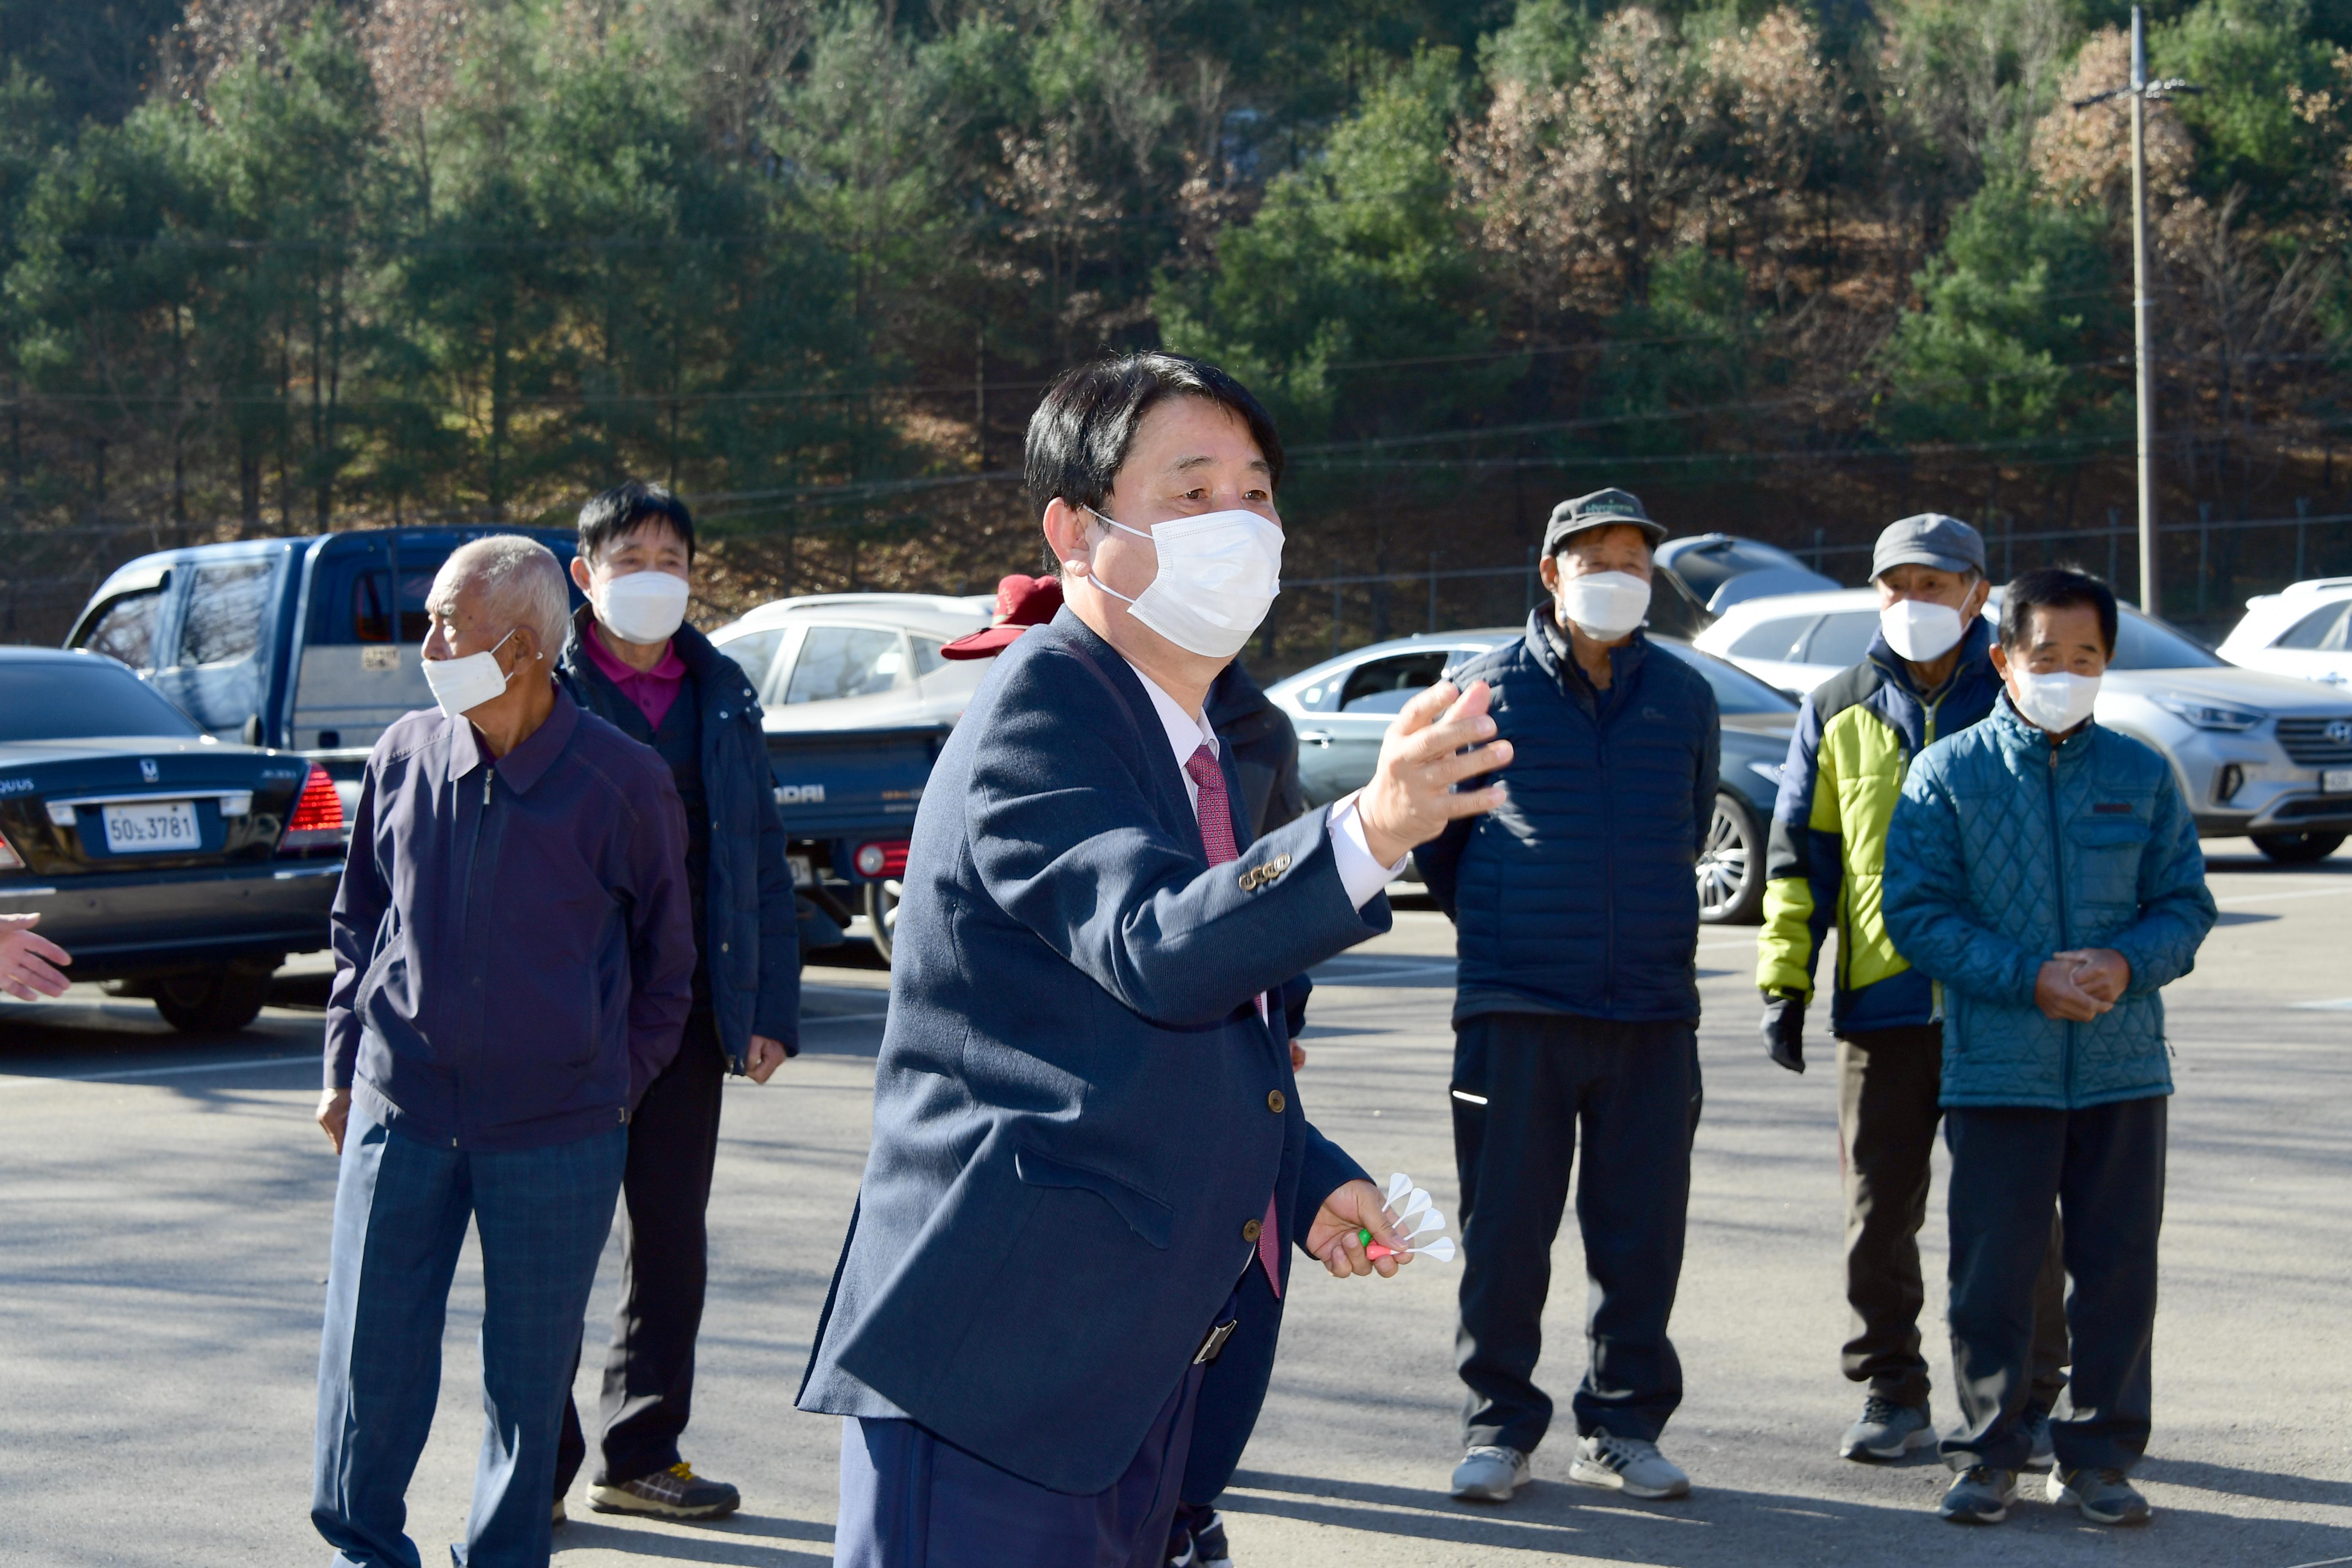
{"points": [[1021, 603]]}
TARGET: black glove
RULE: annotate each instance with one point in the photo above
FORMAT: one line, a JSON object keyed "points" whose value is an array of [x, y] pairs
{"points": [[1783, 1028]]}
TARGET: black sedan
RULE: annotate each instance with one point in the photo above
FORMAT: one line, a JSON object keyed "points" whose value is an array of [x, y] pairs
{"points": [[173, 865], [1342, 707]]}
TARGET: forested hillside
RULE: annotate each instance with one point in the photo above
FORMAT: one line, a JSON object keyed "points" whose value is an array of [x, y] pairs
{"points": [[1789, 270]]}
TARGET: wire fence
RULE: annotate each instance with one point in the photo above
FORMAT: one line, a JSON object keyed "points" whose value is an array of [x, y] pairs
{"points": [[2208, 568]]}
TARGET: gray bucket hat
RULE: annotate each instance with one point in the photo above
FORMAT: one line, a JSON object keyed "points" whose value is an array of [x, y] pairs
{"points": [[1930, 539], [1601, 509]]}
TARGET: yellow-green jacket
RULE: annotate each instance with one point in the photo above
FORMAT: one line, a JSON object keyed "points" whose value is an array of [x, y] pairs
{"points": [[1856, 735]]}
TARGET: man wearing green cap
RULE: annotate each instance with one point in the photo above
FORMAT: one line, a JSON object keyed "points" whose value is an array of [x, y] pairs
{"points": [[1928, 673], [1576, 1009]]}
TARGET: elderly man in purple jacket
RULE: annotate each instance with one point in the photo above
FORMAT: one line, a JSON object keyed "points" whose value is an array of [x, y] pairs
{"points": [[514, 955]]}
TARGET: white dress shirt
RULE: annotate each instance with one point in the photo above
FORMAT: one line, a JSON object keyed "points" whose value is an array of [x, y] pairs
{"points": [[1360, 874]]}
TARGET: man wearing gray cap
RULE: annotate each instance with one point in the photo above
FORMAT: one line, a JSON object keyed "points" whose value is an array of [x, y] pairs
{"points": [[1576, 1011], [1928, 673]]}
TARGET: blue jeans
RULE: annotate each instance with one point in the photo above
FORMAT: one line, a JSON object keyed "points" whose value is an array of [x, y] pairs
{"points": [[401, 1208]]}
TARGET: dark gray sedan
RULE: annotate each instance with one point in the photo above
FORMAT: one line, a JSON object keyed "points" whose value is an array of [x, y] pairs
{"points": [[1342, 707], [179, 866]]}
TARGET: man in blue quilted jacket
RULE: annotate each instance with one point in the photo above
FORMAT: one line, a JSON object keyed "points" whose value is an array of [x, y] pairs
{"points": [[2045, 872], [1576, 1012]]}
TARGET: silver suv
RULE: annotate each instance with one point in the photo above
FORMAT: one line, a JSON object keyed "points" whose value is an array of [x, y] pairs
{"points": [[2262, 755]]}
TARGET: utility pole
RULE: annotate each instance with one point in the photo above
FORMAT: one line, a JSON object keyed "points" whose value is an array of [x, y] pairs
{"points": [[2142, 92]]}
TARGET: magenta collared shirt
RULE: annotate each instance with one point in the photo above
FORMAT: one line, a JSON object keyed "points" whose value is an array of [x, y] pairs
{"points": [[653, 691]]}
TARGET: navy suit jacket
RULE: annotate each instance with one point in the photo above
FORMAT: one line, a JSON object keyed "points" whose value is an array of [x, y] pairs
{"points": [[1078, 1110]]}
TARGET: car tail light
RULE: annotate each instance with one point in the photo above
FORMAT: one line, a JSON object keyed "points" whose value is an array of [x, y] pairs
{"points": [[317, 819], [886, 859], [9, 860]]}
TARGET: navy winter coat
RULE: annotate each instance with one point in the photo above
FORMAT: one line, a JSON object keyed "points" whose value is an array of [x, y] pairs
{"points": [[751, 919], [1578, 897]]}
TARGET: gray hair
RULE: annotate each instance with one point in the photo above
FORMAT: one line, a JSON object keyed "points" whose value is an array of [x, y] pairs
{"points": [[521, 581]]}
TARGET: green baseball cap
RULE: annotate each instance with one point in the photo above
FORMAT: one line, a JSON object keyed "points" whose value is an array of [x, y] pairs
{"points": [[1601, 509]]}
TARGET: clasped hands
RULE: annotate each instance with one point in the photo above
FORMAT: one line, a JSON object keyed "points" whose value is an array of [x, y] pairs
{"points": [[2080, 983]]}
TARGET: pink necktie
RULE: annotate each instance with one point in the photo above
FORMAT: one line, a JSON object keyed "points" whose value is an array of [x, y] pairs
{"points": [[1217, 838]]}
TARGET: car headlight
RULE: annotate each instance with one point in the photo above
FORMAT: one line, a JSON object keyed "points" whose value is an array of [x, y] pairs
{"points": [[2209, 715], [1770, 772]]}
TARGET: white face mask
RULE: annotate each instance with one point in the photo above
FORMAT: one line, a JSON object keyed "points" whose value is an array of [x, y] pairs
{"points": [[1604, 606], [462, 685], [2057, 702], [1219, 574], [642, 607], [1919, 631]]}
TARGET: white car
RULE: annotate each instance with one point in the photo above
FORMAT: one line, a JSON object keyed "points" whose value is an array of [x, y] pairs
{"points": [[2256, 753], [857, 661], [2300, 630]]}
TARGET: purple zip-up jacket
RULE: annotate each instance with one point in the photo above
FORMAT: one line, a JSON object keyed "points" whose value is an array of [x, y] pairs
{"points": [[514, 948]]}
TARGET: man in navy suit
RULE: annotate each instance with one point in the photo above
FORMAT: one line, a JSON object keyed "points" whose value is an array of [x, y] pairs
{"points": [[1087, 1146]]}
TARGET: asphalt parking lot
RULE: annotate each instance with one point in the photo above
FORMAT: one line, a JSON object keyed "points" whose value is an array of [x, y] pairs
{"points": [[163, 1244]]}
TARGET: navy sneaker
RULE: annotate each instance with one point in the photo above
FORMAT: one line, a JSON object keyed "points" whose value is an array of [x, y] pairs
{"points": [[1196, 1538], [1979, 1495], [2103, 1497], [1209, 1548], [674, 1493], [1886, 1431]]}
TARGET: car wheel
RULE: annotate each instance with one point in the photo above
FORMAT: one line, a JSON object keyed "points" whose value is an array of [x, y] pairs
{"points": [[212, 1001], [882, 913], [2298, 849], [1731, 867]]}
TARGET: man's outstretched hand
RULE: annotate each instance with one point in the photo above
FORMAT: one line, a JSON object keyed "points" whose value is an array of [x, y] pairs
{"points": [[1441, 738], [1353, 1208], [31, 966]]}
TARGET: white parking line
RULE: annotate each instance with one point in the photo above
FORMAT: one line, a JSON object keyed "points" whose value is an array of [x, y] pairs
{"points": [[19, 1081], [2297, 893]]}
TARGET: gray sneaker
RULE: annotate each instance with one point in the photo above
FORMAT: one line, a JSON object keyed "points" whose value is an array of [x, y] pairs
{"points": [[2103, 1497], [1886, 1431], [1628, 1465], [1490, 1473], [1979, 1495], [2042, 1456]]}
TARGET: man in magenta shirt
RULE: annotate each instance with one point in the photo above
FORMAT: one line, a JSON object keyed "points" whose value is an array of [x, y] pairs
{"points": [[632, 661]]}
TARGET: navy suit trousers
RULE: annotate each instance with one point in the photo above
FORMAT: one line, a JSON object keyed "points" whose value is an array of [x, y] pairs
{"points": [[400, 1210], [910, 1498]]}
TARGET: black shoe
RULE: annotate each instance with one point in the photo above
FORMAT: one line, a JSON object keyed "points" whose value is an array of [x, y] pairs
{"points": [[1209, 1548], [1196, 1538], [1979, 1495], [675, 1493]]}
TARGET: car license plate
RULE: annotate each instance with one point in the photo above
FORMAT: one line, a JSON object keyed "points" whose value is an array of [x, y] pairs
{"points": [[151, 826], [2335, 781], [803, 873]]}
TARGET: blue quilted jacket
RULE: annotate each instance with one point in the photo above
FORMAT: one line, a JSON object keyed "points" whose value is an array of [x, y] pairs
{"points": [[1577, 897], [2005, 849]]}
